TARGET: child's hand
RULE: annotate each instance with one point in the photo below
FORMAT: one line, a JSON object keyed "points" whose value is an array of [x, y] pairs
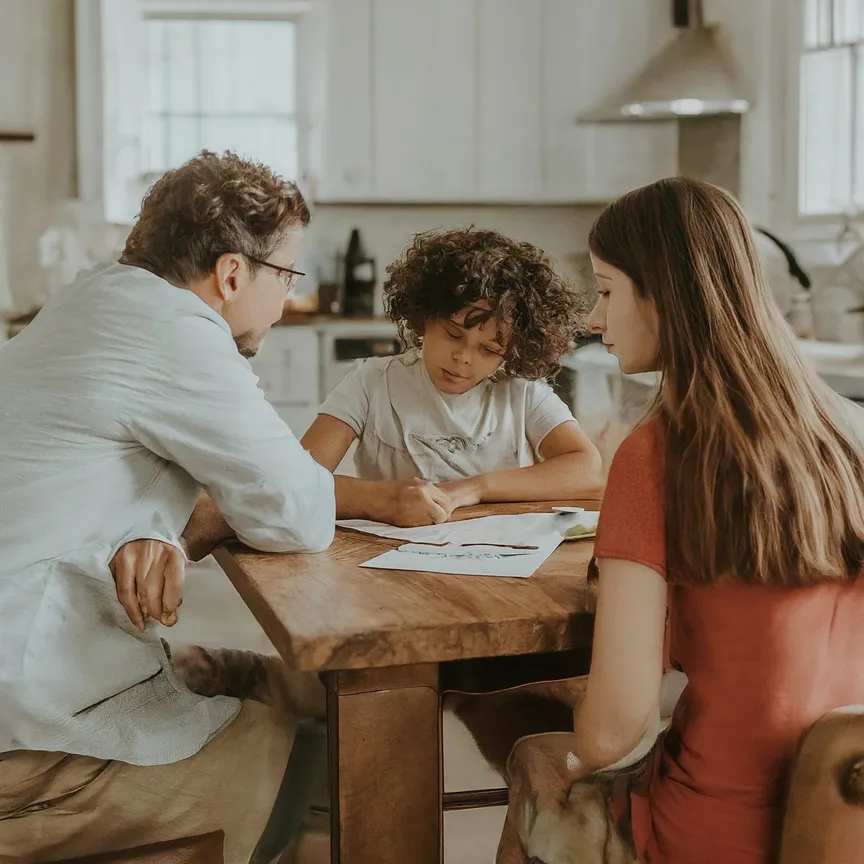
{"points": [[417, 502]]}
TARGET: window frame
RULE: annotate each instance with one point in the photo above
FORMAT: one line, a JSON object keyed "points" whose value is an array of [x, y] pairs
{"points": [[819, 237], [94, 175]]}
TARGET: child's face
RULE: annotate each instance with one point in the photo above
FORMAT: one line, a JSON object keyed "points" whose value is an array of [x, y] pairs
{"points": [[457, 358]]}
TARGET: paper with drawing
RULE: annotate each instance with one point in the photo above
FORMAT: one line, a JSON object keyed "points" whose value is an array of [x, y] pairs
{"points": [[513, 545]]}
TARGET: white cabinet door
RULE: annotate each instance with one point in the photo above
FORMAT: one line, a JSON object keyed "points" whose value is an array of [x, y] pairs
{"points": [[566, 85], [424, 99], [288, 373], [19, 68], [509, 100], [339, 69], [590, 50], [479, 100]]}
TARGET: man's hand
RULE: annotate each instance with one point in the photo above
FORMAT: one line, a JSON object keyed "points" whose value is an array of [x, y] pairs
{"points": [[416, 502], [463, 493], [149, 577]]}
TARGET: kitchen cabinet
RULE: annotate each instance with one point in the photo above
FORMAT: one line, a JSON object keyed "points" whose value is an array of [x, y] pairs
{"points": [[339, 76], [288, 373], [424, 99], [477, 101], [509, 108], [19, 66], [591, 49]]}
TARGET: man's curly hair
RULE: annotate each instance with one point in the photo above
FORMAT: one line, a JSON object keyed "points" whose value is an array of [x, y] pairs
{"points": [[212, 205], [442, 272]]}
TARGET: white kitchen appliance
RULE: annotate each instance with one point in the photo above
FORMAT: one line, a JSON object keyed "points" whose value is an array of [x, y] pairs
{"points": [[345, 343]]}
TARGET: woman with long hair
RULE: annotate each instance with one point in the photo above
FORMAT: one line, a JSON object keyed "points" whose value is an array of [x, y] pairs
{"points": [[736, 505]]}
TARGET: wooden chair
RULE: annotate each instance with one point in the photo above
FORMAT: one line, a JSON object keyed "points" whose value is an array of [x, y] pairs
{"points": [[824, 813], [203, 849], [824, 817]]}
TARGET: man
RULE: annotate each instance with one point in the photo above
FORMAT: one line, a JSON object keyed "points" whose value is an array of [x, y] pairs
{"points": [[127, 394]]}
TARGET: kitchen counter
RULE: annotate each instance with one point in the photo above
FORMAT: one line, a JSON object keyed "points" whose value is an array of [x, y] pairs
{"points": [[839, 364], [295, 319]]}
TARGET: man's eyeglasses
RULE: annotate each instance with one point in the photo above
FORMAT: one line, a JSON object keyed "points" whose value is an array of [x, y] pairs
{"points": [[289, 277]]}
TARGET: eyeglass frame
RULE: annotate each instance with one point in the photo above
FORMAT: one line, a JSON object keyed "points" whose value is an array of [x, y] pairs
{"points": [[279, 269]]}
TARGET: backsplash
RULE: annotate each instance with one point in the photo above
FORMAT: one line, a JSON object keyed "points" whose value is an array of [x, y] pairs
{"points": [[562, 231]]}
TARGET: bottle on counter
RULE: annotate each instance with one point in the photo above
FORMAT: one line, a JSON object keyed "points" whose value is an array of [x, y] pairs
{"points": [[331, 272], [359, 287]]}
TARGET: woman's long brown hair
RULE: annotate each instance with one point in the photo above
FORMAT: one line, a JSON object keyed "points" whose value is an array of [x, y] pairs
{"points": [[764, 475]]}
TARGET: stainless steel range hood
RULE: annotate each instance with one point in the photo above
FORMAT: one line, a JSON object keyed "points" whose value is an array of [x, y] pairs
{"points": [[694, 76]]}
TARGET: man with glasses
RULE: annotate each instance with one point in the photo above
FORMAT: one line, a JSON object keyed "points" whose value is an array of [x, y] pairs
{"points": [[126, 396]]}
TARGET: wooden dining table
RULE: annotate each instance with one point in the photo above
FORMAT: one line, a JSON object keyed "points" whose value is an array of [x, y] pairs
{"points": [[385, 643]]}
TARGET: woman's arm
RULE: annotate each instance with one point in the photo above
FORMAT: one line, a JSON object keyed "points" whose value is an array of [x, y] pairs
{"points": [[622, 699], [570, 470], [405, 503]]}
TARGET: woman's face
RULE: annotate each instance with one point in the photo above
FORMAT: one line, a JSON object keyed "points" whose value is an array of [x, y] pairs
{"points": [[627, 322]]}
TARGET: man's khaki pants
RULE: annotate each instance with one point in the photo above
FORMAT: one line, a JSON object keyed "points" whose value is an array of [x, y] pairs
{"points": [[55, 805]]}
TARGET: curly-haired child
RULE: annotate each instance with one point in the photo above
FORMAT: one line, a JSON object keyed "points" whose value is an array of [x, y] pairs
{"points": [[465, 414]]}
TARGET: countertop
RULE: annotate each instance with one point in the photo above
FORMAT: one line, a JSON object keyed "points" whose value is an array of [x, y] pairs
{"points": [[841, 365], [294, 319]]}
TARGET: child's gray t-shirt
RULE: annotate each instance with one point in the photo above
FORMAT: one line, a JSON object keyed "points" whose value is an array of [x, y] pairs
{"points": [[407, 428]]}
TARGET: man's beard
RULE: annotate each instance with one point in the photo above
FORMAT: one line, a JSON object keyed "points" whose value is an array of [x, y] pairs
{"points": [[248, 344]]}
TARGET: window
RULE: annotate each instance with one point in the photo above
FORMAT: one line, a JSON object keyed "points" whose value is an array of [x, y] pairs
{"points": [[220, 85], [160, 80], [831, 99]]}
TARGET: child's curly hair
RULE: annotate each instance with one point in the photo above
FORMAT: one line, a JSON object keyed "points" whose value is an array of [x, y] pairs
{"points": [[442, 272]]}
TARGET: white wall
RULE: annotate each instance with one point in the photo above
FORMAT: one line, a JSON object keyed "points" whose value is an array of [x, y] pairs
{"points": [[38, 82], [754, 33], [386, 230]]}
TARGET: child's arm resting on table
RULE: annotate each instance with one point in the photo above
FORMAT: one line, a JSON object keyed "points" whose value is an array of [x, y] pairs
{"points": [[570, 470], [406, 503]]}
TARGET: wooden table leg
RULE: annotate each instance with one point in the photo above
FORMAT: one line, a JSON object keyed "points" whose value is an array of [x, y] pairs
{"points": [[386, 775]]}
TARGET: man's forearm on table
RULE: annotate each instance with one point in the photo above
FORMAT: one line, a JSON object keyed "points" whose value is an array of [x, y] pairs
{"points": [[361, 499], [205, 530]]}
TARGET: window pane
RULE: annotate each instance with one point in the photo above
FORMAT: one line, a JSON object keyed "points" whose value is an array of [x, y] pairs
{"points": [[181, 140], [153, 149], [181, 46], [157, 59], [825, 181], [221, 84], [271, 140], [247, 66], [817, 22], [848, 20]]}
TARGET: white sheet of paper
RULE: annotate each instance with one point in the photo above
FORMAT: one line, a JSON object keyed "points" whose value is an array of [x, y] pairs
{"points": [[523, 529], [478, 561], [544, 530]]}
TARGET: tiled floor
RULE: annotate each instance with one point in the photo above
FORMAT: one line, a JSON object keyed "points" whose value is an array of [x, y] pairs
{"points": [[213, 614]]}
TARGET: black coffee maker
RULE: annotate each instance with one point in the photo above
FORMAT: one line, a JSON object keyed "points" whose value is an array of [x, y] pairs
{"points": [[359, 289]]}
